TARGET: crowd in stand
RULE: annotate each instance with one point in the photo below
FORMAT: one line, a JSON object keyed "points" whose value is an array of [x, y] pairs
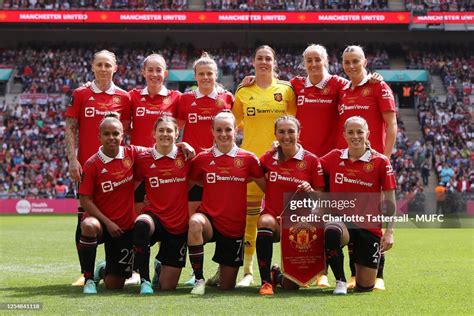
{"points": [[439, 5], [96, 4], [32, 156], [297, 5], [241, 5]]}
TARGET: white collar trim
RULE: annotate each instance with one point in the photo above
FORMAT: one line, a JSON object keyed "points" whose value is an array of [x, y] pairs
{"points": [[172, 154], [212, 95], [163, 91], [106, 159], [232, 153], [363, 82], [321, 85], [96, 89], [365, 157], [298, 156]]}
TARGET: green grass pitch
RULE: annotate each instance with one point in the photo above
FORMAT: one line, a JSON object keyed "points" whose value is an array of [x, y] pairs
{"points": [[429, 271]]}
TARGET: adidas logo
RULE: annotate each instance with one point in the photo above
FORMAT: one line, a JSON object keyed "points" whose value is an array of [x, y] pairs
{"points": [[143, 99], [104, 171], [212, 163], [91, 99], [342, 164], [193, 104], [152, 166], [251, 98]]}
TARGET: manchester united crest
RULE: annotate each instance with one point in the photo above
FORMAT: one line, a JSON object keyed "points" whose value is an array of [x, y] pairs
{"points": [[116, 99], [166, 101], [302, 235], [325, 91], [368, 167], [179, 163], [127, 162], [301, 165], [278, 97], [365, 92], [238, 162], [220, 103]]}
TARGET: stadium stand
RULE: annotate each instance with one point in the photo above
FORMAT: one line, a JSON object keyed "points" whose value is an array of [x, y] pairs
{"points": [[33, 162], [437, 5], [96, 4]]}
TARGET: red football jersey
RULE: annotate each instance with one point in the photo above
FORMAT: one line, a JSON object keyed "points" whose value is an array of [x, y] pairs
{"points": [[166, 185], [224, 178], [371, 173], [198, 111], [285, 176], [368, 100], [89, 106], [109, 183], [318, 112], [146, 110]]}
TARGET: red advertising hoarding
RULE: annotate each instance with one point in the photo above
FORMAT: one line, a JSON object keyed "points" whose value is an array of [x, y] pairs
{"points": [[445, 18], [203, 17]]}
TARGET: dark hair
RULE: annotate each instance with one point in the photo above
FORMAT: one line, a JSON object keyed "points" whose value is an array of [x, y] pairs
{"points": [[110, 117], [275, 67], [290, 118], [165, 118]]}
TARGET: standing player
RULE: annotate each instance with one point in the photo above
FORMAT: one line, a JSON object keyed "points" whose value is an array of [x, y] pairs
{"points": [[317, 100], [224, 171], [198, 108], [256, 108], [358, 168], [86, 110], [152, 102], [375, 103], [106, 192], [289, 169], [164, 170]]}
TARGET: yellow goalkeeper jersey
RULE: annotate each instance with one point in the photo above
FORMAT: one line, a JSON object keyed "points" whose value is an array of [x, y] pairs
{"points": [[256, 110]]}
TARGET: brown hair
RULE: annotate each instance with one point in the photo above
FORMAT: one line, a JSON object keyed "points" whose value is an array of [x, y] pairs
{"points": [[110, 117], [290, 118]]}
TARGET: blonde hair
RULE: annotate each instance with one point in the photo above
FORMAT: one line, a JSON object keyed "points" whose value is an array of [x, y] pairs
{"points": [[354, 49], [205, 59], [106, 52], [224, 115], [160, 58], [361, 121], [321, 50]]}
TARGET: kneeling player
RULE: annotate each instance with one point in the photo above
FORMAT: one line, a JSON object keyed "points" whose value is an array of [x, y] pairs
{"points": [[165, 218], [358, 168], [106, 193], [306, 169], [224, 171]]}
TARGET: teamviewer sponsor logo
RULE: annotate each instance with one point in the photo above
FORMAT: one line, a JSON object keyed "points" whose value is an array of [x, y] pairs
{"points": [[154, 182], [107, 186], [250, 111], [140, 111], [273, 176], [89, 112], [339, 179], [192, 118], [211, 177]]}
